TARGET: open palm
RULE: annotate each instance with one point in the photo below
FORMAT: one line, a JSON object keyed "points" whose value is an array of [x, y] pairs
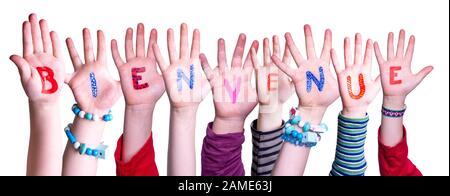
{"points": [[150, 87], [41, 51], [107, 89], [233, 93], [181, 93], [403, 81], [317, 96], [277, 90], [356, 86]]}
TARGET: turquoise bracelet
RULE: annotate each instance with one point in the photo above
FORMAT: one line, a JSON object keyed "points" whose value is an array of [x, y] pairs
{"points": [[98, 152], [310, 134], [90, 116]]}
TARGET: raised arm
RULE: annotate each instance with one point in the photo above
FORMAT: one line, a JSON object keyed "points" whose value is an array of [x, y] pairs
{"points": [[397, 81], [316, 89], [95, 92], [357, 89], [234, 99], [41, 70], [142, 87], [274, 89], [186, 88]]}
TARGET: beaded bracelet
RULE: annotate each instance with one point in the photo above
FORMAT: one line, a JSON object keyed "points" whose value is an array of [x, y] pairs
{"points": [[393, 113], [98, 152], [90, 116], [310, 134]]}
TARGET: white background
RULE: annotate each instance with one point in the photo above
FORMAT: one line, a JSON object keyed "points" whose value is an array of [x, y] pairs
{"points": [[426, 118]]}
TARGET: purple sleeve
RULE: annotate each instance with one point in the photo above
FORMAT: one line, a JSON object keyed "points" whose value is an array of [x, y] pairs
{"points": [[221, 154]]}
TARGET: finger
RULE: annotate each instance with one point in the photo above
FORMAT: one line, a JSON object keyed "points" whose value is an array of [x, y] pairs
{"points": [[390, 46], [35, 33], [422, 74], [310, 50], [377, 83], [184, 42], [171, 46], [56, 45], [298, 58], [254, 59], [23, 67], [358, 49], [27, 41], [101, 47], [285, 68], [195, 48], [266, 52], [238, 54], [248, 65], [153, 39], [115, 53], [378, 54], [140, 41], [347, 53], [88, 48], [74, 57], [410, 50], [401, 43], [286, 55], [159, 58], [276, 46], [368, 54], [129, 51], [221, 55], [206, 68], [45, 34], [327, 44], [335, 60]]}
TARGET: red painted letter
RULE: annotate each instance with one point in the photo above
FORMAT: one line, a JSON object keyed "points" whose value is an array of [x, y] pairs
{"points": [[47, 75], [362, 87], [270, 80], [136, 78], [392, 75]]}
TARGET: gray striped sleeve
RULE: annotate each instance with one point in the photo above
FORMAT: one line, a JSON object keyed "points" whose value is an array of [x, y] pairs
{"points": [[266, 147]]}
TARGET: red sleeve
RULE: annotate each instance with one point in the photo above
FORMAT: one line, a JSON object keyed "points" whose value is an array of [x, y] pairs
{"points": [[393, 161], [142, 163]]}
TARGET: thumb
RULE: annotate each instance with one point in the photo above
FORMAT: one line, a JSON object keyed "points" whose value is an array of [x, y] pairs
{"points": [[22, 65], [422, 74]]}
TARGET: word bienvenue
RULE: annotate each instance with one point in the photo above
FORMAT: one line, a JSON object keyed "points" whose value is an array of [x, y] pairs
{"points": [[49, 84]]}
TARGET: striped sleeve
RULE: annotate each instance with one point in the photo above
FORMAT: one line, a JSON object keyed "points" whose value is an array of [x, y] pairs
{"points": [[266, 147], [349, 159]]}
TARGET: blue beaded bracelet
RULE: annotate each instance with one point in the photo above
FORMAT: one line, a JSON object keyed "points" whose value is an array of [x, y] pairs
{"points": [[98, 152], [90, 116], [310, 134]]}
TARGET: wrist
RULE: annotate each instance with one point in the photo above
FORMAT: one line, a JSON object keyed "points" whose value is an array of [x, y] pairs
{"points": [[269, 121], [394, 102], [186, 110], [313, 115], [354, 112], [43, 105], [140, 107], [224, 125]]}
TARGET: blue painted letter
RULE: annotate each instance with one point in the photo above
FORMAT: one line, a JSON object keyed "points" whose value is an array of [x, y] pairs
{"points": [[182, 76], [310, 78]]}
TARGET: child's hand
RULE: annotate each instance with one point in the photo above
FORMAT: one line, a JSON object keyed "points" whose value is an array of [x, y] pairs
{"points": [[93, 87], [356, 86], [396, 77], [184, 82], [41, 68], [234, 96], [315, 86], [274, 87], [141, 83]]}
